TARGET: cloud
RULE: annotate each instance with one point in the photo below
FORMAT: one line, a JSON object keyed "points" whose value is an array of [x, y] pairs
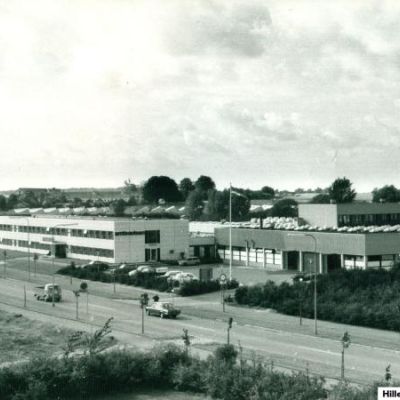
{"points": [[220, 28]]}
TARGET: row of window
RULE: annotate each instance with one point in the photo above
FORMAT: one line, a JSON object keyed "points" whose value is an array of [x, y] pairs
{"points": [[95, 234], [254, 255], [92, 251], [152, 236], [369, 219], [24, 243]]}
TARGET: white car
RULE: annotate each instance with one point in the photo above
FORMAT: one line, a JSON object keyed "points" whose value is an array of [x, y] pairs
{"points": [[185, 277], [170, 274], [189, 261]]}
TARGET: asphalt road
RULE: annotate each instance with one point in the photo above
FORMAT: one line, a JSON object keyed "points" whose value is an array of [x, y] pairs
{"points": [[262, 333]]}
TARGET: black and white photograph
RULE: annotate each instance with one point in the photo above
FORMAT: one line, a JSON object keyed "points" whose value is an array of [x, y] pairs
{"points": [[199, 199]]}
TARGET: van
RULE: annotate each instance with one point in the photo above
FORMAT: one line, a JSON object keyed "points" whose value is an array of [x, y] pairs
{"points": [[189, 261]]}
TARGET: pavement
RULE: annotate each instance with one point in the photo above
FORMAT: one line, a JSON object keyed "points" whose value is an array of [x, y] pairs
{"points": [[262, 333]]}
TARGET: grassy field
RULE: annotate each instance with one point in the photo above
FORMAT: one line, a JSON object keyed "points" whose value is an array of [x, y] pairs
{"points": [[22, 338]]}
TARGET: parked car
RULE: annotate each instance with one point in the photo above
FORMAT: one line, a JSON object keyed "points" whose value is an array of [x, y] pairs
{"points": [[142, 268], [163, 310], [189, 261], [126, 268], [184, 277], [170, 274], [148, 269], [96, 266]]}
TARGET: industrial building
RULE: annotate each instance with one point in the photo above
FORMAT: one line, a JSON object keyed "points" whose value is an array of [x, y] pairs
{"points": [[325, 237], [97, 238]]}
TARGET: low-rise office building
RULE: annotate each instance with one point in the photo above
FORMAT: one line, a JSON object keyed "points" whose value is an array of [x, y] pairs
{"points": [[97, 238], [318, 239]]}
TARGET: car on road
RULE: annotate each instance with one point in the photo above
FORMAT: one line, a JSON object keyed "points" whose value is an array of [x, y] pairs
{"points": [[189, 261], [163, 309], [45, 293]]}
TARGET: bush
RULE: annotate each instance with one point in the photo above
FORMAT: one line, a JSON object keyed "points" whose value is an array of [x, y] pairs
{"points": [[200, 287], [147, 281], [360, 297]]}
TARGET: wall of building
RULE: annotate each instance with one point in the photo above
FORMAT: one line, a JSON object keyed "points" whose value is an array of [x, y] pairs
{"points": [[96, 238], [319, 214]]}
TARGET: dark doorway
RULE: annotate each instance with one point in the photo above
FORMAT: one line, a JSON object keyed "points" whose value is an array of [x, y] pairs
{"points": [[60, 250], [293, 260], [333, 262]]}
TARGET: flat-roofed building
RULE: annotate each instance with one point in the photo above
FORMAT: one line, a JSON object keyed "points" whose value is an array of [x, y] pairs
{"points": [[97, 238], [350, 214], [327, 237]]}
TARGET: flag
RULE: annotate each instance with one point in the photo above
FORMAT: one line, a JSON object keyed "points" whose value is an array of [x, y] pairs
{"points": [[237, 193]]}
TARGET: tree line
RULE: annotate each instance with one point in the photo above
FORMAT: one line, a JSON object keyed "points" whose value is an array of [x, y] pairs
{"points": [[200, 197]]}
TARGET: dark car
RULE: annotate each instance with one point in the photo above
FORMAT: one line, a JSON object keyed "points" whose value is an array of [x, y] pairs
{"points": [[96, 266], [163, 309]]}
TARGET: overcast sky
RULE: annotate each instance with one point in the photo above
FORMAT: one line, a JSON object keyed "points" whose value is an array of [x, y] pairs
{"points": [[271, 92]]}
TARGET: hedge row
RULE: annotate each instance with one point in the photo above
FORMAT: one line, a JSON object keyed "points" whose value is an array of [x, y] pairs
{"points": [[167, 367], [358, 297], [147, 281]]}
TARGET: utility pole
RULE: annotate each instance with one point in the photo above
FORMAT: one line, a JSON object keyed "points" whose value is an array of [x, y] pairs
{"points": [[76, 293], [5, 264], [228, 339], [222, 283], [144, 301], [24, 296]]}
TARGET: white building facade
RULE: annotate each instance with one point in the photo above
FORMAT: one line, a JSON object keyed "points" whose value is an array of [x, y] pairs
{"points": [[97, 238]]}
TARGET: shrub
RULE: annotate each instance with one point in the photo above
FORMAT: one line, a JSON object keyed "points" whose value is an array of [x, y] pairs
{"points": [[361, 297]]}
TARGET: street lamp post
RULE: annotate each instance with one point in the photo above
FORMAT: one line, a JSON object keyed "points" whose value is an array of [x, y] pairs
{"points": [[315, 276], [230, 231]]}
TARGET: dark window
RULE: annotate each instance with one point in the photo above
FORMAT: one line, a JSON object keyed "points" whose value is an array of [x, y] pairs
{"points": [[152, 237]]}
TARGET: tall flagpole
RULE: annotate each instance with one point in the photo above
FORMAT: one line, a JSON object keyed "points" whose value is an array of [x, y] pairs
{"points": [[230, 231]]}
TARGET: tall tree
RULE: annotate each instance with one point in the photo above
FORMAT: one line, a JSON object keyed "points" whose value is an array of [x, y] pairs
{"points": [[285, 208], [161, 187], [341, 191], [185, 187], [129, 187], [218, 205], [3, 202], [386, 194], [268, 192], [194, 205], [12, 201], [28, 199], [204, 184], [118, 207]]}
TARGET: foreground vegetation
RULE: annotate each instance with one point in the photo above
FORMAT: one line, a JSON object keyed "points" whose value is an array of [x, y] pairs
{"points": [[167, 367], [365, 298], [22, 338], [85, 371], [147, 281]]}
